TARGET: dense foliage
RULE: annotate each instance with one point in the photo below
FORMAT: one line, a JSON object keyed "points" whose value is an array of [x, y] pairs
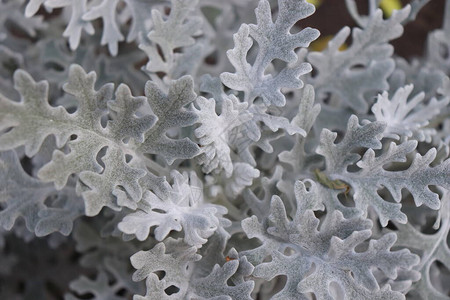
{"points": [[201, 149]]}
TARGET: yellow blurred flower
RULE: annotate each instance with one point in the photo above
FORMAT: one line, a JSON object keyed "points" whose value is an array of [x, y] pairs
{"points": [[316, 3], [322, 42], [388, 6]]}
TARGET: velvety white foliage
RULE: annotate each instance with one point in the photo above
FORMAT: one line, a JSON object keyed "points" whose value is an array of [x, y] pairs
{"points": [[9, 60], [33, 7], [364, 66], [196, 276], [215, 285], [259, 203], [103, 252], [221, 22], [33, 101], [111, 34], [339, 156], [263, 123], [180, 207], [242, 177], [264, 127], [422, 76], [83, 12], [215, 130], [90, 137], [177, 31], [274, 42], [174, 263], [171, 112], [307, 113], [104, 287], [437, 41], [433, 247], [295, 245], [92, 105], [407, 118], [11, 11], [352, 6], [76, 23], [415, 179], [232, 173], [41, 216], [372, 175], [109, 256]]}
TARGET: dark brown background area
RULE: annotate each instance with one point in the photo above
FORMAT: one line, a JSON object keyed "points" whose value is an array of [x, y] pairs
{"points": [[332, 15]]}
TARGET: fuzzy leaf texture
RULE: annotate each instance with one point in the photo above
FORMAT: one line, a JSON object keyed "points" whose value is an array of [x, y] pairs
{"points": [[35, 119], [83, 12], [222, 150], [400, 117], [31, 203], [372, 175], [194, 275], [275, 42], [177, 31], [296, 245], [215, 130], [362, 67], [179, 207]]}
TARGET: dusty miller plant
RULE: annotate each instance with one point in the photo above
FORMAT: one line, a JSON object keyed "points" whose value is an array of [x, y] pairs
{"points": [[199, 149]]}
